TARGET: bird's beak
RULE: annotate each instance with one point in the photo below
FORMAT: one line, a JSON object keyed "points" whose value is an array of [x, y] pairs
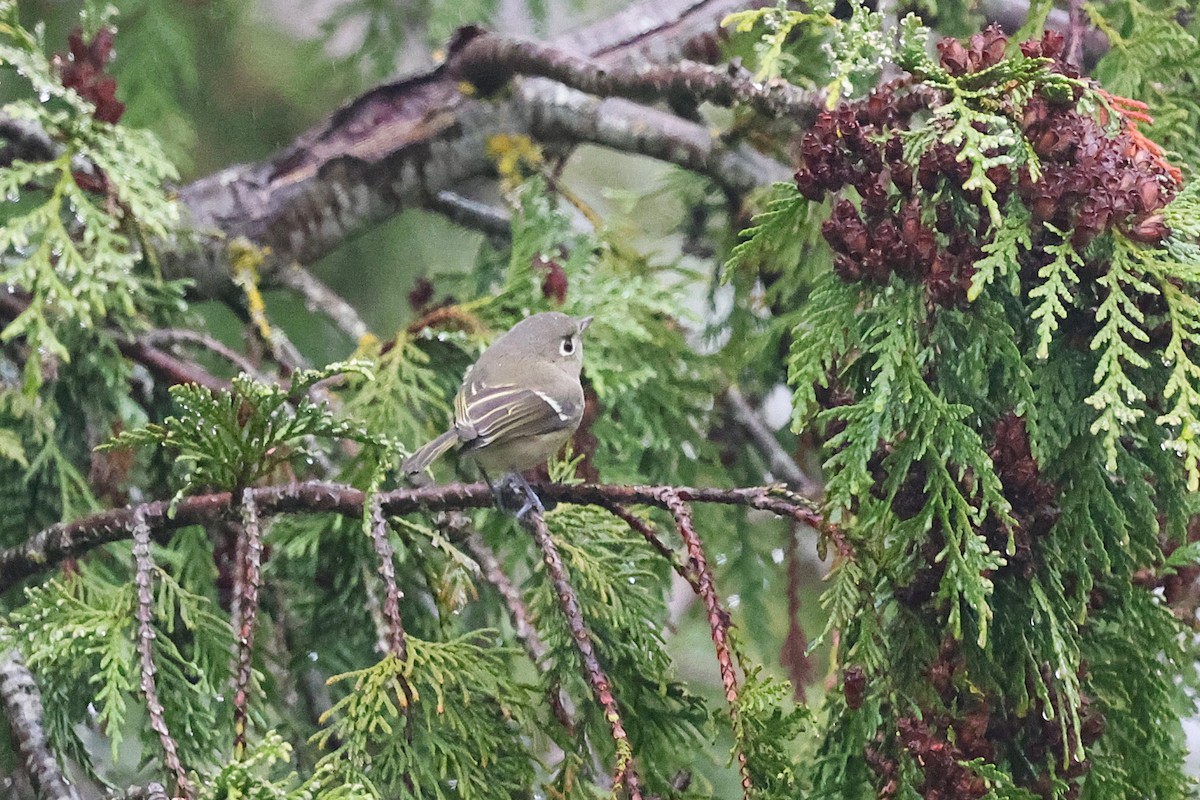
{"points": [[584, 322]]}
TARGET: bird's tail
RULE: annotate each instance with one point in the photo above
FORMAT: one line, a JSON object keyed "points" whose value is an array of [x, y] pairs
{"points": [[427, 453]]}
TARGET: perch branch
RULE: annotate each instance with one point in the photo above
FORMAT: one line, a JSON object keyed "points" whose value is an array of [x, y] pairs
{"points": [[72, 539], [23, 707]]}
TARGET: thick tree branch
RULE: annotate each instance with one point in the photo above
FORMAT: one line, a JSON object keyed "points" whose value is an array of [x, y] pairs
{"points": [[557, 113], [490, 60], [400, 144], [23, 707], [68, 539]]}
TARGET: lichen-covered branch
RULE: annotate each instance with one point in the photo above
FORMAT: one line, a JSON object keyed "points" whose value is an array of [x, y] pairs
{"points": [[400, 144]]}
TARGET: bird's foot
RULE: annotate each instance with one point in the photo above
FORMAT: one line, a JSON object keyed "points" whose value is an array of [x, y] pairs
{"points": [[532, 502]]}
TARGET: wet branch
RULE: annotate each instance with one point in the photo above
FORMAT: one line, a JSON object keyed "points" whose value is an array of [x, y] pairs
{"points": [[46, 548]]}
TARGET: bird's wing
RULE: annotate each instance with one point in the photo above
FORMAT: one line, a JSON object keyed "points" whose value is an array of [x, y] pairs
{"points": [[486, 414]]}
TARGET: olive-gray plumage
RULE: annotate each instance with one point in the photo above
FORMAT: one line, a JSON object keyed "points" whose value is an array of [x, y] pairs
{"points": [[521, 400]]}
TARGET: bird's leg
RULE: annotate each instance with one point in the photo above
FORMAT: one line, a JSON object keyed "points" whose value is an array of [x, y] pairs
{"points": [[497, 491], [532, 501]]}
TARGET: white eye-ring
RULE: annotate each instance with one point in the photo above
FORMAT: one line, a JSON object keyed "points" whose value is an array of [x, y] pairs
{"points": [[568, 346]]}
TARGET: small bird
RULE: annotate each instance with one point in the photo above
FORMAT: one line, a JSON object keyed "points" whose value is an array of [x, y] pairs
{"points": [[518, 404]]}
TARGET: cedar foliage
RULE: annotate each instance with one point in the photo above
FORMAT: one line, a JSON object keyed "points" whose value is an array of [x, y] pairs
{"points": [[984, 278]]}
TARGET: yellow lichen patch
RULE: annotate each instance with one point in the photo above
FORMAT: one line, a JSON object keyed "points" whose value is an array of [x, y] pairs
{"points": [[247, 258], [515, 155], [368, 346]]}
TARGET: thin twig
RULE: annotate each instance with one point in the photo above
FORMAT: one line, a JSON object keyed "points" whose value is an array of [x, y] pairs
{"points": [[497, 224], [647, 532], [319, 297], [160, 364], [518, 615], [168, 336], [793, 655], [624, 774], [246, 582], [144, 578], [22, 704], [46, 548], [377, 527], [781, 465], [718, 623]]}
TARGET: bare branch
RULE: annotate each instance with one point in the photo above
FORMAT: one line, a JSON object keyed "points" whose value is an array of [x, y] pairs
{"points": [[23, 707], [625, 775], [490, 60], [319, 297], [780, 464], [160, 364], [557, 113], [144, 577], [70, 539], [169, 336], [469, 213]]}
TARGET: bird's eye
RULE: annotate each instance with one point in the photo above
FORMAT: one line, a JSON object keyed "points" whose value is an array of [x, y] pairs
{"points": [[568, 346]]}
